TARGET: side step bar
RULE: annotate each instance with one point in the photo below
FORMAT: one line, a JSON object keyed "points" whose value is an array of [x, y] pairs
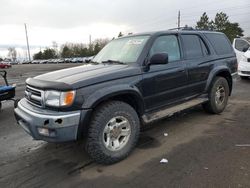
{"points": [[148, 118]]}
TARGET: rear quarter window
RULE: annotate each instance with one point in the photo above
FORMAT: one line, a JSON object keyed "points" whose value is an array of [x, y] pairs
{"points": [[220, 43]]}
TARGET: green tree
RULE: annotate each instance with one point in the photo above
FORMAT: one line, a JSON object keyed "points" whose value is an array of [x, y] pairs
{"points": [[220, 23], [233, 30], [203, 23], [90, 50], [66, 51], [49, 53], [97, 48], [38, 55], [98, 44], [83, 52]]}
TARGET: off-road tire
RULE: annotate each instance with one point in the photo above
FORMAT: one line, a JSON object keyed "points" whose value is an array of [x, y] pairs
{"points": [[102, 115], [211, 106]]}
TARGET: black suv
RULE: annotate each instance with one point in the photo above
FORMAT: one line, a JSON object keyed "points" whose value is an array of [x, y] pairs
{"points": [[134, 80]]}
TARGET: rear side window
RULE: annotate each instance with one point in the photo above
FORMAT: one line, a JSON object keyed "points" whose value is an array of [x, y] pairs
{"points": [[241, 44], [220, 43], [194, 46]]}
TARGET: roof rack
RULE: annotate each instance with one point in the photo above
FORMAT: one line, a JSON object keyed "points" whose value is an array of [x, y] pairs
{"points": [[182, 28]]}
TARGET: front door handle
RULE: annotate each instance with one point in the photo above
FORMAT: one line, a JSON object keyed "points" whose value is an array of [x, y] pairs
{"points": [[181, 70]]}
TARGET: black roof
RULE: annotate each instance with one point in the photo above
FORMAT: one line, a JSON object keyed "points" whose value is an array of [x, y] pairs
{"points": [[172, 31]]}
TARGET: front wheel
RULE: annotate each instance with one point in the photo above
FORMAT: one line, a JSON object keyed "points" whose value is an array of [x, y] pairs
{"points": [[218, 96], [113, 132]]}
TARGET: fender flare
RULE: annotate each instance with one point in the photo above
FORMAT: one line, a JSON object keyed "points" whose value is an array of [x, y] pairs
{"points": [[214, 73], [108, 92], [102, 95]]}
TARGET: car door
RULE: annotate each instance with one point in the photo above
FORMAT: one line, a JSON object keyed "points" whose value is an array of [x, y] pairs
{"points": [[164, 84], [239, 45], [198, 60]]}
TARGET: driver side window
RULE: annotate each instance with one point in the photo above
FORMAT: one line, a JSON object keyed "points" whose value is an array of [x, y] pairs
{"points": [[167, 44], [241, 44]]}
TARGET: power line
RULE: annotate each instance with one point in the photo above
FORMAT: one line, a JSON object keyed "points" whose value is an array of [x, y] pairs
{"points": [[184, 17], [216, 10], [190, 16], [208, 4]]}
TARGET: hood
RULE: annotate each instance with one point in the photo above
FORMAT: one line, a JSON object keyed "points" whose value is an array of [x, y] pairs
{"points": [[84, 75]]}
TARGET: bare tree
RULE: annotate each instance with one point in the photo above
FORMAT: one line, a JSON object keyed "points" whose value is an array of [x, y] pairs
{"points": [[55, 46], [12, 53]]}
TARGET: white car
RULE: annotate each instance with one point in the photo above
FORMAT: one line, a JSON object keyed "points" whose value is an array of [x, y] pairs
{"points": [[242, 49]]}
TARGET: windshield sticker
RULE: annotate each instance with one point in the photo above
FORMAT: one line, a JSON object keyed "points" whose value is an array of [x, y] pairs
{"points": [[135, 41]]}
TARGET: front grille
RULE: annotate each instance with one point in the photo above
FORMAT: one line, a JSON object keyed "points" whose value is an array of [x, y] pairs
{"points": [[245, 72], [34, 96]]}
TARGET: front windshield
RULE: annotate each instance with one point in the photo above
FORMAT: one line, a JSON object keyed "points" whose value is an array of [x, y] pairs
{"points": [[125, 50]]}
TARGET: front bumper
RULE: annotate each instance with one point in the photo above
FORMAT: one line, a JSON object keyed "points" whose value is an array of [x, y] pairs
{"points": [[61, 126], [244, 68]]}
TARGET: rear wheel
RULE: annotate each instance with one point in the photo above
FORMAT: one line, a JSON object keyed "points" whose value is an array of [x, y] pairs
{"points": [[218, 96], [113, 132]]}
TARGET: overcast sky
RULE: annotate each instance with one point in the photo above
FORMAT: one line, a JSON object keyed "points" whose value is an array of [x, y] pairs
{"points": [[74, 20]]}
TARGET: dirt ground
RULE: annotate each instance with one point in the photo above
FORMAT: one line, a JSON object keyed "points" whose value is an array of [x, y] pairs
{"points": [[202, 150]]}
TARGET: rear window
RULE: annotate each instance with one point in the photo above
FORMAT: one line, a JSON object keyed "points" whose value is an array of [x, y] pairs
{"points": [[220, 43]]}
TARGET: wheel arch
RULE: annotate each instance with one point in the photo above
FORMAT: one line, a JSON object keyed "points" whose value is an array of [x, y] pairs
{"points": [[129, 95], [222, 72], [125, 93]]}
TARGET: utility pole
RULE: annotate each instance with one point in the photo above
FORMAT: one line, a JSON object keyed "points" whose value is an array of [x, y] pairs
{"points": [[179, 19], [27, 41], [90, 40]]}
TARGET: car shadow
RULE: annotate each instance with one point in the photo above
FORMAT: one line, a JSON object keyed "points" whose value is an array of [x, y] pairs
{"points": [[54, 162]]}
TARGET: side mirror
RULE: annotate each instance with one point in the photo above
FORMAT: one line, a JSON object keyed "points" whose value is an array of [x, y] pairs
{"points": [[158, 59], [245, 48]]}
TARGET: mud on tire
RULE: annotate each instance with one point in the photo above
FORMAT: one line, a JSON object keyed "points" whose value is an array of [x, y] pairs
{"points": [[108, 120], [218, 96]]}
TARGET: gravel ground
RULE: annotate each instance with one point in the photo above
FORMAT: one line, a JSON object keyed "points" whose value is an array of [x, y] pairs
{"points": [[202, 150]]}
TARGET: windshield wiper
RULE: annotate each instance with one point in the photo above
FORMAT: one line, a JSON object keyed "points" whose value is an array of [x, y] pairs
{"points": [[113, 61]]}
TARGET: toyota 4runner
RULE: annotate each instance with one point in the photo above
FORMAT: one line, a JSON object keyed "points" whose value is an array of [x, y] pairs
{"points": [[132, 81]]}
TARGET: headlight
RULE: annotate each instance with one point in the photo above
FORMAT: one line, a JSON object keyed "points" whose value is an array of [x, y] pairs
{"points": [[57, 99]]}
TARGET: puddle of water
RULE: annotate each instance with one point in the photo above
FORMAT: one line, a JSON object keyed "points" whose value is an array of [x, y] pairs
{"points": [[146, 142]]}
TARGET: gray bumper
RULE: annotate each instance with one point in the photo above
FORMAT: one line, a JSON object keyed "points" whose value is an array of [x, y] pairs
{"points": [[62, 126], [234, 75]]}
